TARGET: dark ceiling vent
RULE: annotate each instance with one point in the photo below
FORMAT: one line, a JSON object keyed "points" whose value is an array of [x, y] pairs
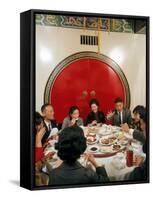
{"points": [[88, 40]]}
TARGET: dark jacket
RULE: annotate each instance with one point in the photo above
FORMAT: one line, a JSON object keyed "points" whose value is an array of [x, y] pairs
{"points": [[126, 118], [47, 133], [138, 135], [99, 117], [76, 174], [139, 173]]}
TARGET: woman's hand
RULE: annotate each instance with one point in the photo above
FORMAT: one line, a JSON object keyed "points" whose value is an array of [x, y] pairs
{"points": [[39, 136], [92, 123]]}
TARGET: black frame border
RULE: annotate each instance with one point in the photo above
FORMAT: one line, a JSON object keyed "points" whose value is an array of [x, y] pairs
{"points": [[27, 96]]}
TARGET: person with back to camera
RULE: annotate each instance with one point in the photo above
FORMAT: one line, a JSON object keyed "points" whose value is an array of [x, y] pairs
{"points": [[70, 146]]}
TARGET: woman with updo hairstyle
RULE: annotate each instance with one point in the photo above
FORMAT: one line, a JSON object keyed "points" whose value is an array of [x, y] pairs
{"points": [[95, 116], [73, 118], [70, 146]]}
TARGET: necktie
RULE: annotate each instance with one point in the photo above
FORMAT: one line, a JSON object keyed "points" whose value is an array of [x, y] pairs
{"points": [[120, 122], [49, 127]]}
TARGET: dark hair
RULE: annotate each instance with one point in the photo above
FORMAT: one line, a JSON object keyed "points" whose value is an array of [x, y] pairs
{"points": [[94, 101], [43, 107], [139, 109], [72, 109], [118, 100], [38, 119], [71, 144], [143, 115]]}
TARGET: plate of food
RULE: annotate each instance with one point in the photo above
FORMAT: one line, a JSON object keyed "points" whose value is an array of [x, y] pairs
{"points": [[108, 141], [116, 147], [93, 149], [103, 131], [116, 129], [92, 129], [123, 141], [106, 149], [93, 134], [119, 135], [91, 140]]}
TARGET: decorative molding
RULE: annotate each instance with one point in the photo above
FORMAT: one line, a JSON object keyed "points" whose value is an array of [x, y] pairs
{"points": [[91, 23]]}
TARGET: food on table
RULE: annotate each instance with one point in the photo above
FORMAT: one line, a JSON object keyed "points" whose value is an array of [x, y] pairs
{"points": [[108, 141], [92, 129], [116, 147], [106, 149], [91, 139], [92, 134], [119, 135], [123, 141]]}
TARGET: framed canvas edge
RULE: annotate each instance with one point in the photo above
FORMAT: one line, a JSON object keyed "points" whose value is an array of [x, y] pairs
{"points": [[31, 100]]}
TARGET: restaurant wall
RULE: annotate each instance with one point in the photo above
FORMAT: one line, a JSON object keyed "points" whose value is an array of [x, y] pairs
{"points": [[53, 44]]}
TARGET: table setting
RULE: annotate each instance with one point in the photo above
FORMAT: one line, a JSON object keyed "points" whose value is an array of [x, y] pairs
{"points": [[109, 145]]}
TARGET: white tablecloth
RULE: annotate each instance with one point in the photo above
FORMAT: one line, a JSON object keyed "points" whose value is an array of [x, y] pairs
{"points": [[116, 169]]}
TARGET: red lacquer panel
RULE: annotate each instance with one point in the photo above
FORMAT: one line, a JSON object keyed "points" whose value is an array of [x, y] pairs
{"points": [[84, 76]]}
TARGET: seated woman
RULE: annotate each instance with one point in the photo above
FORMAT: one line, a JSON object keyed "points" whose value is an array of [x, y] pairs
{"points": [[72, 118], [137, 112], [39, 133], [40, 177], [70, 146], [136, 134], [95, 116], [140, 172]]}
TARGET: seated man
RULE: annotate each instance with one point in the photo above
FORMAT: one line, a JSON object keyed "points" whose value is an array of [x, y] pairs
{"points": [[119, 115], [49, 121], [71, 144]]}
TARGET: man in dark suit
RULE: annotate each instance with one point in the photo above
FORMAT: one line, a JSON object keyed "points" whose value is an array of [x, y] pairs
{"points": [[119, 115], [49, 121]]}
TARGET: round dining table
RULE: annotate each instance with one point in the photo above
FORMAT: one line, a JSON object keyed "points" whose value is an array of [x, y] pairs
{"points": [[114, 161]]}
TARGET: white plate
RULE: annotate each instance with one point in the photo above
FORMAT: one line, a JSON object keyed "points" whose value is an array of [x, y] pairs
{"points": [[94, 142], [106, 149], [115, 140]]}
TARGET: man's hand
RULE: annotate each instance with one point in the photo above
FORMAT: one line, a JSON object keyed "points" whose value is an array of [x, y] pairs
{"points": [[110, 115]]}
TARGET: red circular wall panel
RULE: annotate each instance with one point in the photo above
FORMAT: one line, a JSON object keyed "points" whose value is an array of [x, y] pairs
{"points": [[85, 74]]}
